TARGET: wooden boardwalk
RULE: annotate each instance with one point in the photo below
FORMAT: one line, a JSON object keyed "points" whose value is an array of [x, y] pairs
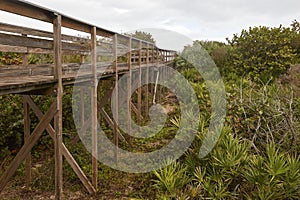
{"points": [[104, 54]]}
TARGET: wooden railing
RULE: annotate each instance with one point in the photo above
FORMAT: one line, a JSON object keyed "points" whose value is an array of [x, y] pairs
{"points": [[25, 41]]}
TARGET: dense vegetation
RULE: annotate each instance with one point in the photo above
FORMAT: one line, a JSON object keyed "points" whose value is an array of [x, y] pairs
{"points": [[257, 155]]}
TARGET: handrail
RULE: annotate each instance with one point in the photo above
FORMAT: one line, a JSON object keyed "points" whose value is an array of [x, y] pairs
{"points": [[28, 9], [31, 10], [26, 40]]}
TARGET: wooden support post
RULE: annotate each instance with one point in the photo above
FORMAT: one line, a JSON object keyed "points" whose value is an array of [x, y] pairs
{"points": [[139, 84], [157, 57], [94, 108], [26, 137], [26, 128], [24, 55], [82, 119], [82, 59], [160, 91], [161, 79], [129, 87], [166, 58], [157, 94], [116, 111], [58, 116], [152, 70], [164, 79], [147, 85], [25, 59]]}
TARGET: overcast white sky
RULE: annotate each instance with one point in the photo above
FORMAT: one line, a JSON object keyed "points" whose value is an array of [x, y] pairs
{"points": [[197, 19]]}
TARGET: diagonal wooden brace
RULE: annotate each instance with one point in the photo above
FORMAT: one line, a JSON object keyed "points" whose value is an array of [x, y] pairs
{"points": [[87, 184], [24, 151], [82, 130]]}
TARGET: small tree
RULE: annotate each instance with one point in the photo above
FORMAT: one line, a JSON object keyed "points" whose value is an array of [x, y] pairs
{"points": [[262, 52], [143, 36], [217, 50], [296, 37]]}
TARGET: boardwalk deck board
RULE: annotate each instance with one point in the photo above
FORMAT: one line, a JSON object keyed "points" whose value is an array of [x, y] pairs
{"points": [[23, 82]]}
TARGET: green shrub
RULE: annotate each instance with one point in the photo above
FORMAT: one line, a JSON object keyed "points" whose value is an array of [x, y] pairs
{"points": [[262, 52], [231, 170], [274, 175], [171, 178], [264, 113], [10, 58], [11, 124]]}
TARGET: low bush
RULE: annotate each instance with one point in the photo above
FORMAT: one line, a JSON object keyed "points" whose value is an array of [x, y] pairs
{"points": [[232, 170]]}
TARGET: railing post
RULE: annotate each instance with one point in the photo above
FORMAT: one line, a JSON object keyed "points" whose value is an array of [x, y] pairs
{"points": [[166, 56], [82, 58], [139, 84], [26, 127], [116, 111], [58, 116], [82, 118], [147, 81], [24, 55], [129, 86], [152, 70], [157, 75], [94, 107]]}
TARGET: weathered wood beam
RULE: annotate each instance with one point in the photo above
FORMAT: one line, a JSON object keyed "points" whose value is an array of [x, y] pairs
{"points": [[139, 103], [110, 122], [37, 12], [26, 9], [21, 41], [26, 137], [147, 81], [94, 93], [39, 33], [116, 109], [58, 117], [129, 82]]}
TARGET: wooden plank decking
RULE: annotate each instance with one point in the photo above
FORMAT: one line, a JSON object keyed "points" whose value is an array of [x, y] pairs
{"points": [[35, 83]]}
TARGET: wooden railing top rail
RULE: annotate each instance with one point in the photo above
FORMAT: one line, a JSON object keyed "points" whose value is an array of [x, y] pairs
{"points": [[27, 9]]}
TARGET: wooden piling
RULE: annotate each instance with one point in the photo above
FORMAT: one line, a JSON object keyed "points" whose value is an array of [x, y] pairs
{"points": [[147, 81], [94, 105], [26, 137], [129, 86], [116, 111], [58, 116], [140, 83]]}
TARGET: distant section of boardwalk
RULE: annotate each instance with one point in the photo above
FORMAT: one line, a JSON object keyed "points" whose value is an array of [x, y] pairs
{"points": [[27, 41], [104, 54]]}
